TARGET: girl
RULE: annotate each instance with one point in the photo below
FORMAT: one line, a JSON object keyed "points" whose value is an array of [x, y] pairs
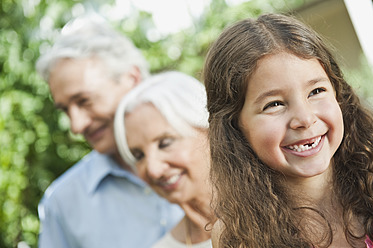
{"points": [[291, 145], [161, 131]]}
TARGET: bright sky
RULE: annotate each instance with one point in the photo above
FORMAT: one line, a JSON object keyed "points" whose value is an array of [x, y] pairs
{"points": [[172, 15], [361, 14], [168, 15]]}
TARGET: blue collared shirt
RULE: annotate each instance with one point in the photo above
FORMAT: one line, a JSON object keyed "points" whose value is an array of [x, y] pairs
{"points": [[96, 204]]}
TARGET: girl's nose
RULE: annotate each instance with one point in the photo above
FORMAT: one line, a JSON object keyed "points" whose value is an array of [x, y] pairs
{"points": [[303, 116]]}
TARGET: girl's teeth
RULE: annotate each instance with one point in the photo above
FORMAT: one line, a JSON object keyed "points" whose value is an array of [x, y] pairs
{"points": [[302, 148]]}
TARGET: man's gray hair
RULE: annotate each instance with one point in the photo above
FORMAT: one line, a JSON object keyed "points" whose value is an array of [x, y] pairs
{"points": [[91, 38]]}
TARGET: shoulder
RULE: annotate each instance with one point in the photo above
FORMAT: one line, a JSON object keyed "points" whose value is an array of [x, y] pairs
{"points": [[167, 241], [72, 180]]}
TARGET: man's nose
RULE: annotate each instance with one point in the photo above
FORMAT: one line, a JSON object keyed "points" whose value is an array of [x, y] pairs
{"points": [[79, 120]]}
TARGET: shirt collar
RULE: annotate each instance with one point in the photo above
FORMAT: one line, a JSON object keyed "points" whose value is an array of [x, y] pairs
{"points": [[101, 166]]}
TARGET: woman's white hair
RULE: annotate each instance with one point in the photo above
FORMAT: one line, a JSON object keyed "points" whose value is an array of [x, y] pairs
{"points": [[91, 37], [180, 98]]}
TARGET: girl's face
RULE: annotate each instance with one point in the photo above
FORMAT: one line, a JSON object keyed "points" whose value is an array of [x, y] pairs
{"points": [[291, 117], [176, 167]]}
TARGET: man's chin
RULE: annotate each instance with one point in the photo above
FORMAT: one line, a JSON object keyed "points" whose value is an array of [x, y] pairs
{"points": [[99, 148], [103, 149]]}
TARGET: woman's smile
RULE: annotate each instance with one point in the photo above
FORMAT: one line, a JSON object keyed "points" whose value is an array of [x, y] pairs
{"points": [[172, 164], [169, 183]]}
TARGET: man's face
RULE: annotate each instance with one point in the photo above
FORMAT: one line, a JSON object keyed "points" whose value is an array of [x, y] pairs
{"points": [[86, 92]]}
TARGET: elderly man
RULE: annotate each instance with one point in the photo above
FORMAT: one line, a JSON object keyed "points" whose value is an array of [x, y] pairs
{"points": [[98, 202]]}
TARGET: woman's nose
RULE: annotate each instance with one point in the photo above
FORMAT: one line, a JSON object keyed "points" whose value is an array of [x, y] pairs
{"points": [[155, 167]]}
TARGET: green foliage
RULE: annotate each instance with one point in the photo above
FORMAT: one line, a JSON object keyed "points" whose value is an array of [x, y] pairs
{"points": [[35, 143]]}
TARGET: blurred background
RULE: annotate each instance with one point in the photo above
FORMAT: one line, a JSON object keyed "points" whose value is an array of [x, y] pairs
{"points": [[35, 143]]}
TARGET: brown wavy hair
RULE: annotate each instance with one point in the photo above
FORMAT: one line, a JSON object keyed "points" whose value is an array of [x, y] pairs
{"points": [[249, 197]]}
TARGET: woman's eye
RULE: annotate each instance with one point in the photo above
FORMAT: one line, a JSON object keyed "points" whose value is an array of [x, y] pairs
{"points": [[272, 104], [163, 143], [316, 91]]}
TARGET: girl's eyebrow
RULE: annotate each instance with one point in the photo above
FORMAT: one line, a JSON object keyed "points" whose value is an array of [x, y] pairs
{"points": [[278, 91], [316, 80], [267, 94]]}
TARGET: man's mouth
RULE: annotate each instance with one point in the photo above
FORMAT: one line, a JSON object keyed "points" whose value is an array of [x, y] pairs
{"points": [[95, 134], [308, 145]]}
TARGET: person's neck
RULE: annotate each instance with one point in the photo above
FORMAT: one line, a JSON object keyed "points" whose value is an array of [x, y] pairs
{"points": [[192, 229], [198, 217], [316, 189], [318, 192]]}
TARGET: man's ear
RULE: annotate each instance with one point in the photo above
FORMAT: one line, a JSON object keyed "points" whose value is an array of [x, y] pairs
{"points": [[132, 75]]}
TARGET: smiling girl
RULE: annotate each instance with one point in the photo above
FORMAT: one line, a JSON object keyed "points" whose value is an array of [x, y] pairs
{"points": [[291, 145]]}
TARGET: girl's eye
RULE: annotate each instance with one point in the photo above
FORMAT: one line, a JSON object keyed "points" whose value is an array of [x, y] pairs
{"points": [[137, 154], [165, 142], [272, 104], [316, 91]]}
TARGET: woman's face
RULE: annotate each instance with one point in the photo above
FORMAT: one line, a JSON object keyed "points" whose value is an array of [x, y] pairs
{"points": [[291, 117], [175, 166]]}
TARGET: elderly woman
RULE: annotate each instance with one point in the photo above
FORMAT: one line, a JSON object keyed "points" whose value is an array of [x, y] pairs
{"points": [[161, 132]]}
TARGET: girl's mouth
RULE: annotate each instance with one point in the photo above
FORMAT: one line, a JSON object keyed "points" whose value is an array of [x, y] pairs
{"points": [[310, 144]]}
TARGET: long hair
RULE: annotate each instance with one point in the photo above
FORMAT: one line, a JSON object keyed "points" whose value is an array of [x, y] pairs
{"points": [[250, 198]]}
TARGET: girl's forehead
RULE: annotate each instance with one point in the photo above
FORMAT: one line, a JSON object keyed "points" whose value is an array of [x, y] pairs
{"points": [[285, 69]]}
